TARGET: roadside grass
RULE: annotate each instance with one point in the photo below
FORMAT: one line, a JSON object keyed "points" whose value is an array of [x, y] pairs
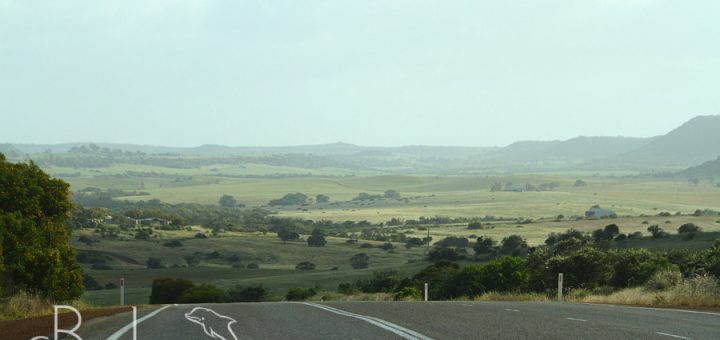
{"points": [[23, 305], [696, 292]]}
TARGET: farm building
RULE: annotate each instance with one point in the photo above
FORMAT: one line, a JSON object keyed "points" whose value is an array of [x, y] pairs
{"points": [[597, 212]]}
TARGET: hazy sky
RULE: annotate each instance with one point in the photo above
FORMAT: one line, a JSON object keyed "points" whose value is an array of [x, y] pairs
{"points": [[390, 72]]}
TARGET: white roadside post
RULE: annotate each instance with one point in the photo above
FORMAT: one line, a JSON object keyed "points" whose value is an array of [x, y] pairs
{"points": [[426, 292], [122, 291], [560, 287]]}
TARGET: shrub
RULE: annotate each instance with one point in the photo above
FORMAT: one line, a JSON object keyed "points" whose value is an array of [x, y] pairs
{"points": [[475, 225], [360, 261], [688, 228], [168, 290], [634, 267], [111, 286], [381, 281], [256, 293], [253, 265], [316, 239], [502, 275], [664, 280], [173, 244], [387, 246], [407, 293], [204, 293], [201, 236], [299, 294], [305, 266], [90, 283], [444, 254], [154, 263], [346, 288], [100, 266]]}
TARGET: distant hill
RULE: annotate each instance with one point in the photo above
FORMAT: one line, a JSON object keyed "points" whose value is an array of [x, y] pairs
{"points": [[710, 169], [9, 150], [575, 150], [692, 143]]}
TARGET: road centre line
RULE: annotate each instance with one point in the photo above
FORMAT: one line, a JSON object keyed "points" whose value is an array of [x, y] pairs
{"points": [[386, 325], [512, 310], [671, 335], [574, 319], [129, 326], [653, 308]]}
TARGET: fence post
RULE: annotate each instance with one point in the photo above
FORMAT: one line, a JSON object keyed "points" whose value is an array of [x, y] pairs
{"points": [[122, 291], [426, 292], [560, 287]]}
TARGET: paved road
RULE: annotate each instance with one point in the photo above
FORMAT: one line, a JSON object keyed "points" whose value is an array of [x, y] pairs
{"points": [[407, 320]]}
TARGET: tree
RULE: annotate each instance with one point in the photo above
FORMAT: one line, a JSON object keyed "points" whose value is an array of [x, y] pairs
{"points": [[322, 198], [256, 293], [514, 245], [392, 194], [305, 266], [299, 294], [688, 228], [484, 245], [204, 293], [360, 261], [611, 230], [154, 263], [168, 290], [656, 231], [227, 201], [290, 199], [475, 225], [316, 239], [287, 235], [34, 252]]}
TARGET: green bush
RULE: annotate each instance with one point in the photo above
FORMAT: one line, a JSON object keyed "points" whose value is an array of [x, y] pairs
{"points": [[168, 290], [664, 280], [256, 293], [204, 293], [506, 274], [407, 293], [299, 294]]}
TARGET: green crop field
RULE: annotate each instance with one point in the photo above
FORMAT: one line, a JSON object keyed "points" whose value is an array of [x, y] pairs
{"points": [[637, 200]]}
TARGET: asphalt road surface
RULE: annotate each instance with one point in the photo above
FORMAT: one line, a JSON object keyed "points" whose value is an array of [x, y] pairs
{"points": [[406, 320]]}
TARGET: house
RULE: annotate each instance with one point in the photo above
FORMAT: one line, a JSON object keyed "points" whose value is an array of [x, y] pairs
{"points": [[147, 221], [597, 212]]}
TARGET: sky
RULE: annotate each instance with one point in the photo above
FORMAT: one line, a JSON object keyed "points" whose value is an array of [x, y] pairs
{"points": [[384, 73]]}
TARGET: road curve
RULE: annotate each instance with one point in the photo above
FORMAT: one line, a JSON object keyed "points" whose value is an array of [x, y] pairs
{"points": [[407, 320]]}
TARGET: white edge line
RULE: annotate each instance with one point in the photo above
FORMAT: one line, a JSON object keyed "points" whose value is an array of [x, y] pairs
{"points": [[120, 332], [386, 325], [574, 319], [671, 335], [655, 308]]}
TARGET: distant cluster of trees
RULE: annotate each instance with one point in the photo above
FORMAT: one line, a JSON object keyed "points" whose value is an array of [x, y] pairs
{"points": [[584, 259], [388, 194], [94, 156], [510, 187]]}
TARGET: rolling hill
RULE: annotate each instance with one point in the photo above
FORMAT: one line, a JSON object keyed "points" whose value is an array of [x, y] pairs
{"points": [[693, 143]]}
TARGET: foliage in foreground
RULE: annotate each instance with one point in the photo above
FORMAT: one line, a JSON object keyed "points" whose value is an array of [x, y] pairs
{"points": [[35, 256]]}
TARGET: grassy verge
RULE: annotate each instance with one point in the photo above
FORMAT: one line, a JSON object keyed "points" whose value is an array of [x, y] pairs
{"points": [[697, 292]]}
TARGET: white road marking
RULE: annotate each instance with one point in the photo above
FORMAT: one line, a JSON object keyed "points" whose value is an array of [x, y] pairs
{"points": [[467, 305], [120, 332], [659, 309], [512, 310], [386, 325], [671, 335], [574, 319]]}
